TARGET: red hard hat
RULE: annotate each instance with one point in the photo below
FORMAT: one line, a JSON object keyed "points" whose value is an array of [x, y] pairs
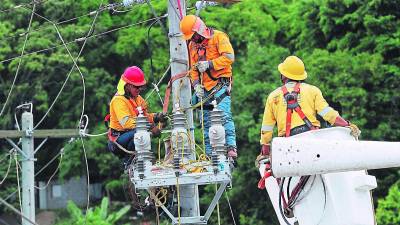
{"points": [[134, 75]]}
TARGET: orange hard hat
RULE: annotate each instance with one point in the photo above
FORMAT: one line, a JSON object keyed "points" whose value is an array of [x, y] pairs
{"points": [[191, 24]]}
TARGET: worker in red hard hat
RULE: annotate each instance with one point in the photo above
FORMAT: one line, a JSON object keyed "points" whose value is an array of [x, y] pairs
{"points": [[124, 109]]}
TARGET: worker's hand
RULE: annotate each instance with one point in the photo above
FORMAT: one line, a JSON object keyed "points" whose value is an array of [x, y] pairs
{"points": [[155, 131], [203, 66], [264, 154], [354, 131], [199, 90], [160, 117]]}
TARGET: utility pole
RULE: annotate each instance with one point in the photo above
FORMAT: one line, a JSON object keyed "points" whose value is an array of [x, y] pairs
{"points": [[27, 135], [28, 169], [182, 88]]}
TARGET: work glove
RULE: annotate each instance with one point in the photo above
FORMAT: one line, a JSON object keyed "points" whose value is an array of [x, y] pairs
{"points": [[160, 117], [203, 66], [354, 131], [199, 90], [155, 131], [264, 153]]}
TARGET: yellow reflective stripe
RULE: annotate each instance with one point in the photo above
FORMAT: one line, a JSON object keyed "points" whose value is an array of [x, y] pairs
{"points": [[267, 128], [324, 111]]}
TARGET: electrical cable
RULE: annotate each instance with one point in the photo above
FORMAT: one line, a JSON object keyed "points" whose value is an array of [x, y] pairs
{"points": [[280, 201], [16, 211], [83, 38], [19, 62], [22, 5], [18, 186], [87, 176], [156, 16], [71, 70], [8, 170], [150, 48], [159, 82], [42, 169], [55, 172]]}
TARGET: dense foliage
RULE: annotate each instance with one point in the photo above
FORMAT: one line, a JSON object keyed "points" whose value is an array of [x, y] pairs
{"points": [[351, 50]]}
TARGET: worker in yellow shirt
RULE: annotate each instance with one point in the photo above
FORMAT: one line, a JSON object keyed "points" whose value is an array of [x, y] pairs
{"points": [[211, 56], [294, 106], [125, 106]]}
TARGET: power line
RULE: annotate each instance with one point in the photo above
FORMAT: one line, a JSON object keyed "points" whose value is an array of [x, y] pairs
{"points": [[70, 72], [22, 5], [83, 38], [108, 7], [19, 63]]}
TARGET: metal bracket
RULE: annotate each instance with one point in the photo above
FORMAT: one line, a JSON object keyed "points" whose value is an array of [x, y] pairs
{"points": [[28, 133], [181, 61], [16, 147], [41, 144], [215, 200], [175, 34]]}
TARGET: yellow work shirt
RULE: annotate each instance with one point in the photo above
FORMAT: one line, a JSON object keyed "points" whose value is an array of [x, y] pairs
{"points": [[311, 102], [220, 52], [123, 112]]}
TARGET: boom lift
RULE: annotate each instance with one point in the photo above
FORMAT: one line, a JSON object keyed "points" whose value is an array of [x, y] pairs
{"points": [[320, 177]]}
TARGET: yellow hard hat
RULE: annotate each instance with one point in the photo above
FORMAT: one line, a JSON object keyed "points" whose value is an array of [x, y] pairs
{"points": [[293, 68], [190, 24]]}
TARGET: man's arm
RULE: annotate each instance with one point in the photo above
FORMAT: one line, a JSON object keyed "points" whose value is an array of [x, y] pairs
{"points": [[227, 55]]}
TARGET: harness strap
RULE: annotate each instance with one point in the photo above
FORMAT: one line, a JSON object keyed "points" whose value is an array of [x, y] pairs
{"points": [[293, 104], [168, 90]]}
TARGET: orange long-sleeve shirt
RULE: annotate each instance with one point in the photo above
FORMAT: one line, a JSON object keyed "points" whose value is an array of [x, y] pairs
{"points": [[123, 112], [220, 52]]}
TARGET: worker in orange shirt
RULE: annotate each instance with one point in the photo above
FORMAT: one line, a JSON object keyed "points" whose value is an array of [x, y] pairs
{"points": [[211, 56], [294, 106], [125, 106]]}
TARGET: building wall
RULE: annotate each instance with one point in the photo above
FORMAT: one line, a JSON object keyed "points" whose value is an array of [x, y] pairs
{"points": [[57, 194]]}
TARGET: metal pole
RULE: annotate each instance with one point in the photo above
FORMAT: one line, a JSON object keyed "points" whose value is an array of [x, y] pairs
{"points": [[181, 95], [28, 169]]}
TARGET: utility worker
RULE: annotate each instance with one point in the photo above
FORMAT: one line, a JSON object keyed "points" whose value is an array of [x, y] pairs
{"points": [[124, 109], [211, 56], [295, 105]]}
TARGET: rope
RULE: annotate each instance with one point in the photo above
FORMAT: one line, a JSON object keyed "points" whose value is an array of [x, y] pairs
{"points": [[19, 62], [230, 208], [180, 9]]}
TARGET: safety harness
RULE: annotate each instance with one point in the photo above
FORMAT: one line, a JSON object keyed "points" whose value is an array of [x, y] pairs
{"points": [[291, 99]]}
